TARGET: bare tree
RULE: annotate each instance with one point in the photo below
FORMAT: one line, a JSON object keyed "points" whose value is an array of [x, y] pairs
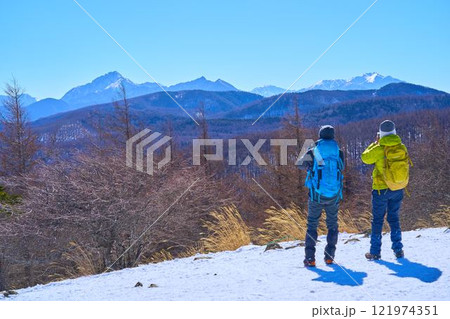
{"points": [[93, 209], [113, 130], [203, 127], [123, 116], [18, 143], [293, 123]]}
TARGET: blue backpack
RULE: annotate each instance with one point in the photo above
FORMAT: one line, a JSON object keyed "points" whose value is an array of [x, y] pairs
{"points": [[326, 178]]}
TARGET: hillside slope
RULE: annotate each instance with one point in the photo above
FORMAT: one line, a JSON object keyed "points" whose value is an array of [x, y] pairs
{"points": [[324, 101], [249, 273]]}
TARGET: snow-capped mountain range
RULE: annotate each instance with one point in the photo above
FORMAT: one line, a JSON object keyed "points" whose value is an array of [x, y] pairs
{"points": [[105, 89], [367, 81]]}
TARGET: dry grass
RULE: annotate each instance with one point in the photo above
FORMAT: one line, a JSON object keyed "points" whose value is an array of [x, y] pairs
{"points": [[291, 223], [442, 217], [354, 224], [166, 254], [285, 224], [159, 256], [226, 230], [77, 262], [422, 223], [198, 248]]}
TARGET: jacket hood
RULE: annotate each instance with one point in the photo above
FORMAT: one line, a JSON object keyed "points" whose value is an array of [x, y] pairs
{"points": [[390, 140]]}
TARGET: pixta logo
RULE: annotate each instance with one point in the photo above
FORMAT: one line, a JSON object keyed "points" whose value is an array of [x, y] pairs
{"points": [[252, 149], [141, 148], [144, 146]]}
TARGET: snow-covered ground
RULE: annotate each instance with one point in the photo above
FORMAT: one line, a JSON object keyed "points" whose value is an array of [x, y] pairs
{"points": [[249, 273]]}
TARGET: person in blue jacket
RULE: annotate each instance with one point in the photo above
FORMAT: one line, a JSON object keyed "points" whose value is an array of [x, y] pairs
{"points": [[324, 163]]}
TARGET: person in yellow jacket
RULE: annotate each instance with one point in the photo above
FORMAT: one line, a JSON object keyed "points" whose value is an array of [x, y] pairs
{"points": [[384, 200]]}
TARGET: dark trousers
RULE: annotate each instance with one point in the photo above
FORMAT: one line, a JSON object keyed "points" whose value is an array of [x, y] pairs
{"points": [[386, 202], [314, 211]]}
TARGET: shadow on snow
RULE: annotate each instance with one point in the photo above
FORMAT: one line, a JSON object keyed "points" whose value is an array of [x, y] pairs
{"points": [[408, 269], [339, 275]]}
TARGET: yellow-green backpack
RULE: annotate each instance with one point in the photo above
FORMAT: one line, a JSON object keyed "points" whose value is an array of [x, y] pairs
{"points": [[397, 161]]}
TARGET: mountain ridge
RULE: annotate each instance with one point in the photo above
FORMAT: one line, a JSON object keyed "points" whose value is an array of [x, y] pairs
{"points": [[104, 89], [314, 100], [231, 113], [366, 81]]}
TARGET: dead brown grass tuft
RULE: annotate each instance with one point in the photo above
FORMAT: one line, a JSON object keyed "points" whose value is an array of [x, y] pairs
{"points": [[226, 230], [291, 223], [284, 224], [159, 256], [442, 217], [354, 223], [78, 261]]}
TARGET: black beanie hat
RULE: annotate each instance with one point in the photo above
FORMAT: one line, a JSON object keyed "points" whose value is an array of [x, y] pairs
{"points": [[326, 132]]}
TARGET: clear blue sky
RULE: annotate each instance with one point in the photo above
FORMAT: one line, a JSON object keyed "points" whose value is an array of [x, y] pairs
{"points": [[51, 46]]}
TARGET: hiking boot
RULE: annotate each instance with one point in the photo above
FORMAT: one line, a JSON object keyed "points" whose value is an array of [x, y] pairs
{"points": [[329, 261], [309, 262], [370, 256], [399, 253]]}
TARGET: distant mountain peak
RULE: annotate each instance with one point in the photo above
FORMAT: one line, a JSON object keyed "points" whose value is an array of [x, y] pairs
{"points": [[372, 76], [371, 73], [110, 76], [116, 77], [203, 84], [105, 88], [25, 100], [115, 73], [366, 81], [268, 90]]}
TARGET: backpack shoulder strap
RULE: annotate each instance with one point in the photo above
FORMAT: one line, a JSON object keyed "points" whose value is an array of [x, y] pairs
{"points": [[318, 159]]}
